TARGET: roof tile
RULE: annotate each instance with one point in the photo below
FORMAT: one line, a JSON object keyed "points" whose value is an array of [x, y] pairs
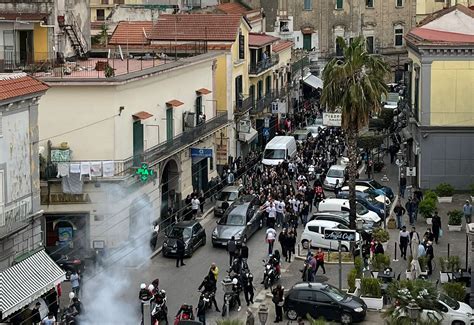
{"points": [[260, 40], [19, 84], [280, 46], [131, 33], [233, 8], [33, 16]]}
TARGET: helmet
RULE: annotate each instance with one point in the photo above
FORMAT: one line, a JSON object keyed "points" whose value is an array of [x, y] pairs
{"points": [[163, 292], [151, 287], [235, 281], [143, 286]]}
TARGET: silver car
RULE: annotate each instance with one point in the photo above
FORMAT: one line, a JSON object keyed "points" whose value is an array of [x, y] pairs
{"points": [[225, 198]]}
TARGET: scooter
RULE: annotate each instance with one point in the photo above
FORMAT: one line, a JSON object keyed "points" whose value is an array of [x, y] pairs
{"points": [[206, 296], [159, 314], [185, 313], [270, 274]]}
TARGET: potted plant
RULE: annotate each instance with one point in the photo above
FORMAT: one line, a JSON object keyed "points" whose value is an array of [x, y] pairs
{"points": [[423, 261], [371, 293], [444, 273], [351, 280], [381, 235], [455, 290], [445, 192], [455, 220], [426, 208], [380, 262], [454, 263]]}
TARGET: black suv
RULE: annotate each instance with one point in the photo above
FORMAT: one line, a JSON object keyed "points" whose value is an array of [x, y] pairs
{"points": [[191, 232], [323, 300]]}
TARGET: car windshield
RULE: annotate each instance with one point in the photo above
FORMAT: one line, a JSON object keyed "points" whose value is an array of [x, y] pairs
{"points": [[227, 196], [233, 220], [274, 154], [361, 210], [300, 136], [336, 173], [180, 232], [453, 304], [371, 199], [375, 184], [334, 293]]}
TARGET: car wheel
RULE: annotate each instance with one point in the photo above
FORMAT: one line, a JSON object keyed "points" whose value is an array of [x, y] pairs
{"points": [[344, 248], [291, 314], [346, 318], [305, 244], [458, 322]]}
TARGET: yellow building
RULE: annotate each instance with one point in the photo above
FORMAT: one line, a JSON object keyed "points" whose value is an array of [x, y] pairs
{"points": [[427, 7], [441, 49], [100, 9]]}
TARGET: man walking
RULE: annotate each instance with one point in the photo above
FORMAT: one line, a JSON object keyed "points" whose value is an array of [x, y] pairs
{"points": [[231, 249], [74, 279], [467, 210], [320, 261], [195, 206], [436, 226], [430, 256], [403, 185], [271, 210], [180, 248], [399, 212], [410, 208], [404, 240], [270, 238]]}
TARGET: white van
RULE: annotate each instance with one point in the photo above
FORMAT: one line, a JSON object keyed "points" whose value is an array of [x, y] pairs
{"points": [[278, 149], [314, 233], [334, 204]]}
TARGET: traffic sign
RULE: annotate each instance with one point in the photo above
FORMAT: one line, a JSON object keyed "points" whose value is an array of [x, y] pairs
{"points": [[266, 132], [411, 171]]}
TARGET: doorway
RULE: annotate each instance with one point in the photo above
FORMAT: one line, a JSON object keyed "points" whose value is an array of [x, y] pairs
{"points": [[200, 175], [25, 42], [137, 142]]}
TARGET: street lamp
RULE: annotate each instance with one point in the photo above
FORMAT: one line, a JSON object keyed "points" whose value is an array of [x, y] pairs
{"points": [[359, 227], [263, 314], [413, 311]]}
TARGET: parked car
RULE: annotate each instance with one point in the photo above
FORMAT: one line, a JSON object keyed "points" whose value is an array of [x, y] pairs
{"points": [[335, 172], [225, 198], [343, 218], [367, 201], [192, 233], [379, 188], [301, 135], [375, 194], [241, 220], [336, 204], [314, 233], [323, 300]]}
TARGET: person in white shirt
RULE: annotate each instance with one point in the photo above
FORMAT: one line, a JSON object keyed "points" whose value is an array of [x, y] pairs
{"points": [[270, 239], [195, 206], [280, 215], [271, 210]]}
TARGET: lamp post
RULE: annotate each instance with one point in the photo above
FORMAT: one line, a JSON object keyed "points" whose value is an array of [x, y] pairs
{"points": [[413, 311], [263, 314], [359, 227]]}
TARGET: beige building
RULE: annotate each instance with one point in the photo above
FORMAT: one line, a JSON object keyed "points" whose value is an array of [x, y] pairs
{"points": [[97, 132], [427, 7]]}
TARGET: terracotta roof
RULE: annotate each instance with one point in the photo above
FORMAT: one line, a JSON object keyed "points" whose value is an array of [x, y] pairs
{"points": [[203, 91], [97, 24], [19, 84], [131, 33], [33, 16], [142, 115], [430, 36], [259, 40], [280, 46], [443, 12], [233, 8], [211, 27], [174, 103]]}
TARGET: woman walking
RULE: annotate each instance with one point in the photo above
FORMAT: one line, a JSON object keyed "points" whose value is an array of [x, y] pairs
{"points": [[278, 301]]}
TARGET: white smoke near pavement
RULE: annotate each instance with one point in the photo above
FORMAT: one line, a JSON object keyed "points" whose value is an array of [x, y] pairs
{"points": [[106, 289]]}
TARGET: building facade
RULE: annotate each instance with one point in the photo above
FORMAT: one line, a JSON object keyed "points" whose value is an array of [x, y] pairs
{"points": [[142, 141], [441, 49], [426, 7]]}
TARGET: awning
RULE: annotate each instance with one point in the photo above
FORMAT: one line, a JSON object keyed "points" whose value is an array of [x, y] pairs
{"points": [[174, 103], [27, 281], [203, 91], [142, 115], [313, 81], [248, 137]]}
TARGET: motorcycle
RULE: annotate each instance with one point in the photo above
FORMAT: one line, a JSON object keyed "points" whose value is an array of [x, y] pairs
{"points": [[159, 313], [206, 296], [185, 313], [231, 293], [270, 274]]}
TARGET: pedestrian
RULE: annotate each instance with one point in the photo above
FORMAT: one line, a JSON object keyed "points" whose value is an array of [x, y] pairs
{"points": [[278, 301], [249, 289], [232, 249], [49, 320], [202, 200], [378, 248], [410, 209], [404, 240], [428, 236], [467, 210], [436, 225], [430, 256], [74, 279], [291, 243], [337, 188], [180, 249], [35, 314], [271, 219], [318, 194], [250, 318], [399, 212], [244, 251], [201, 311], [282, 239], [195, 206], [230, 177], [280, 213], [214, 270], [320, 261], [304, 213], [403, 185], [270, 239]]}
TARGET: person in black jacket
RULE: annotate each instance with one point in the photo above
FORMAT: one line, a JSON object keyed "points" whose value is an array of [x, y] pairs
{"points": [[244, 251], [436, 225], [35, 314], [180, 248], [430, 256], [290, 245]]}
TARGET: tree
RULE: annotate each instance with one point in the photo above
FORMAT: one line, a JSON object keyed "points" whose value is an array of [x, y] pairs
{"points": [[354, 84]]}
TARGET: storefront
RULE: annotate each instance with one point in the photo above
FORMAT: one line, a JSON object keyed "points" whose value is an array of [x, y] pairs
{"points": [[67, 232], [202, 159]]}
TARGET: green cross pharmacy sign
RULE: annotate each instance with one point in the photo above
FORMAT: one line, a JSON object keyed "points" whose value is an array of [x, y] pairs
{"points": [[145, 173]]}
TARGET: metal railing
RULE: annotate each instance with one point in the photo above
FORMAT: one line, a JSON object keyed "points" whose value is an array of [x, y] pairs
{"points": [[243, 105], [263, 65], [185, 139]]}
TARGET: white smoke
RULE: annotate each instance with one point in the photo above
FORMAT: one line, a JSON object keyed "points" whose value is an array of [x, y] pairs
{"points": [[106, 289]]}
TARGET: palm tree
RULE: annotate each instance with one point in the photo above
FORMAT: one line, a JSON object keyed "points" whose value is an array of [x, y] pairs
{"points": [[354, 83]]}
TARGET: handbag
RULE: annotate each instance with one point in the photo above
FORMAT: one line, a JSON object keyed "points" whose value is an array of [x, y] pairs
{"points": [[441, 233]]}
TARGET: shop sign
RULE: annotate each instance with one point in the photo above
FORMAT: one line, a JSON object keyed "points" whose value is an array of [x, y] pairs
{"points": [[201, 153], [339, 234], [332, 119]]}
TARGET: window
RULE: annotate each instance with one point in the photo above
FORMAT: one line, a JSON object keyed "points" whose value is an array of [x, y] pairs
{"points": [[100, 14], [241, 46], [398, 30], [119, 2], [305, 295], [339, 50], [238, 91], [199, 111], [369, 44], [324, 298], [339, 4], [104, 2], [369, 3], [313, 228], [308, 4], [399, 3], [268, 84], [259, 89]]}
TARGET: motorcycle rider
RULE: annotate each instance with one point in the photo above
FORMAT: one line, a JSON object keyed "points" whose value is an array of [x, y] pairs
{"points": [[236, 289], [210, 286]]}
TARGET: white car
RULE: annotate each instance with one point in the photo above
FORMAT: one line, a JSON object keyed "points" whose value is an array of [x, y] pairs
{"points": [[315, 127], [368, 190], [335, 172], [314, 233], [334, 204]]}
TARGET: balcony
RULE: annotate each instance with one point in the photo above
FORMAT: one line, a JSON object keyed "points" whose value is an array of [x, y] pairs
{"points": [[263, 65], [266, 101], [242, 106], [185, 139]]}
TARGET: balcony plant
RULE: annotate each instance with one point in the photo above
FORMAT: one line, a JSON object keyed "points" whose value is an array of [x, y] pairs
{"points": [[426, 208], [445, 192], [455, 220], [455, 290], [371, 293]]}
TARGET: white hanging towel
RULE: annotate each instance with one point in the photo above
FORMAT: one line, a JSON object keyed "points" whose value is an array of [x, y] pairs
{"points": [[108, 168], [85, 168], [63, 169], [96, 168], [75, 168]]}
